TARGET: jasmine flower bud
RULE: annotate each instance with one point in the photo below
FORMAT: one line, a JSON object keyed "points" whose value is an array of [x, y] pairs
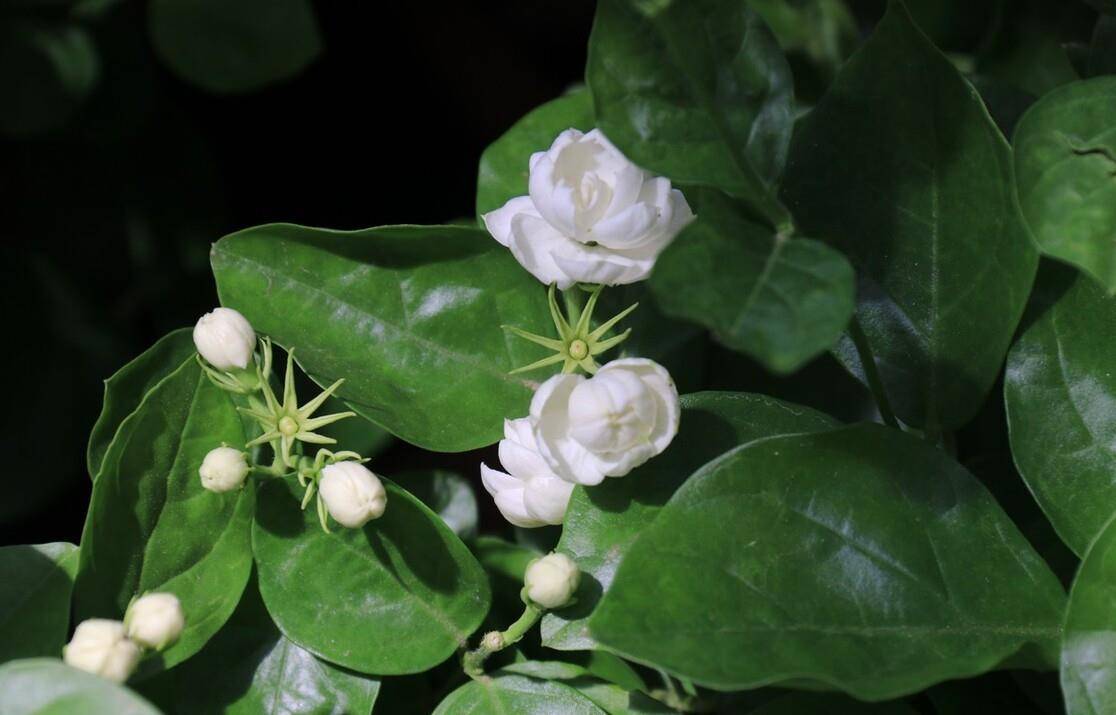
{"points": [[99, 646], [352, 494], [223, 469], [225, 339], [552, 580], [155, 620]]}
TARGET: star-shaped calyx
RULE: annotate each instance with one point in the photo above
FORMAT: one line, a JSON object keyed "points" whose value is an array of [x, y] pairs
{"points": [[286, 423], [577, 343]]}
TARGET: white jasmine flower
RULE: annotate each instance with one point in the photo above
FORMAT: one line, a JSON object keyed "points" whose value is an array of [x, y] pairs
{"points": [[529, 494], [155, 620], [591, 215], [552, 580], [223, 469], [352, 494], [99, 646], [225, 339], [606, 425]]}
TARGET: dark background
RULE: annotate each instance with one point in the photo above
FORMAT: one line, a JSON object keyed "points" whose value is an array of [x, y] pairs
{"points": [[108, 220]]}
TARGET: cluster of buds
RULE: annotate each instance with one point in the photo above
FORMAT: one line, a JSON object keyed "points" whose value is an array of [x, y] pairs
{"points": [[345, 489], [112, 649]]}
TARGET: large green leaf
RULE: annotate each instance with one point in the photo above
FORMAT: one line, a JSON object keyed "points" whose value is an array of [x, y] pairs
{"points": [[151, 525], [398, 596], [127, 387], [504, 164], [1060, 392], [608, 696], [696, 90], [35, 585], [234, 46], [45, 686], [862, 558], [901, 168], [603, 522], [780, 299], [250, 668], [1089, 643], [409, 315], [509, 694], [1065, 169]]}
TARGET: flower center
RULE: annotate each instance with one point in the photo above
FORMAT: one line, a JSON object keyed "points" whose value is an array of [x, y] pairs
{"points": [[579, 349], [288, 426]]}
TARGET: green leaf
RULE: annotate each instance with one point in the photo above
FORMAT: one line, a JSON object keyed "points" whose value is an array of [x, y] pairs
{"points": [[151, 525], [1089, 644], [510, 694], [1060, 393], [695, 90], [46, 72], [611, 698], [780, 299], [409, 315], [1065, 169], [398, 596], [844, 557], [35, 585], [504, 164], [250, 668], [828, 703], [602, 523], [902, 169], [1023, 45], [126, 389], [234, 46], [45, 686], [446, 494]]}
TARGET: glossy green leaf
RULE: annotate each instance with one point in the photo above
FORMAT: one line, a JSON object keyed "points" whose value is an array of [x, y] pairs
{"points": [[1065, 168], [1088, 671], [696, 90], [46, 72], [409, 315], [398, 596], [234, 46], [358, 434], [845, 557], [45, 686], [504, 164], [780, 299], [1060, 392], [250, 668], [446, 494], [127, 387], [603, 522], [509, 694], [151, 525], [609, 697], [916, 190], [35, 585]]}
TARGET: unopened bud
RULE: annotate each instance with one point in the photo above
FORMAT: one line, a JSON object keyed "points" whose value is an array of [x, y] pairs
{"points": [[552, 580], [225, 339], [155, 620], [99, 646], [223, 469], [352, 494]]}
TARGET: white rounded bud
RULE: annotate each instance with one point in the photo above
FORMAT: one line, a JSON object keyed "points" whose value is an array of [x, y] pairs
{"points": [[99, 646], [155, 620], [225, 339], [223, 469], [552, 580], [352, 494]]}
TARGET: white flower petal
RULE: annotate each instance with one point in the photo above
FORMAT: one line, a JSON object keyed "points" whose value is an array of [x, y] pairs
{"points": [[534, 243], [498, 222]]}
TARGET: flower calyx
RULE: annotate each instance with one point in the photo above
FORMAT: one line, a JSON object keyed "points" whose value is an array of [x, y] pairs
{"points": [[578, 343], [285, 423]]}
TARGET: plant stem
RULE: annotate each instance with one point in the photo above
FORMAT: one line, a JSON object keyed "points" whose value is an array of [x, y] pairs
{"points": [[871, 372], [473, 661]]}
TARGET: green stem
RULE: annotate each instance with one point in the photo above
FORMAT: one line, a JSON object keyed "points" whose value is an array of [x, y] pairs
{"points": [[871, 372], [473, 661]]}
